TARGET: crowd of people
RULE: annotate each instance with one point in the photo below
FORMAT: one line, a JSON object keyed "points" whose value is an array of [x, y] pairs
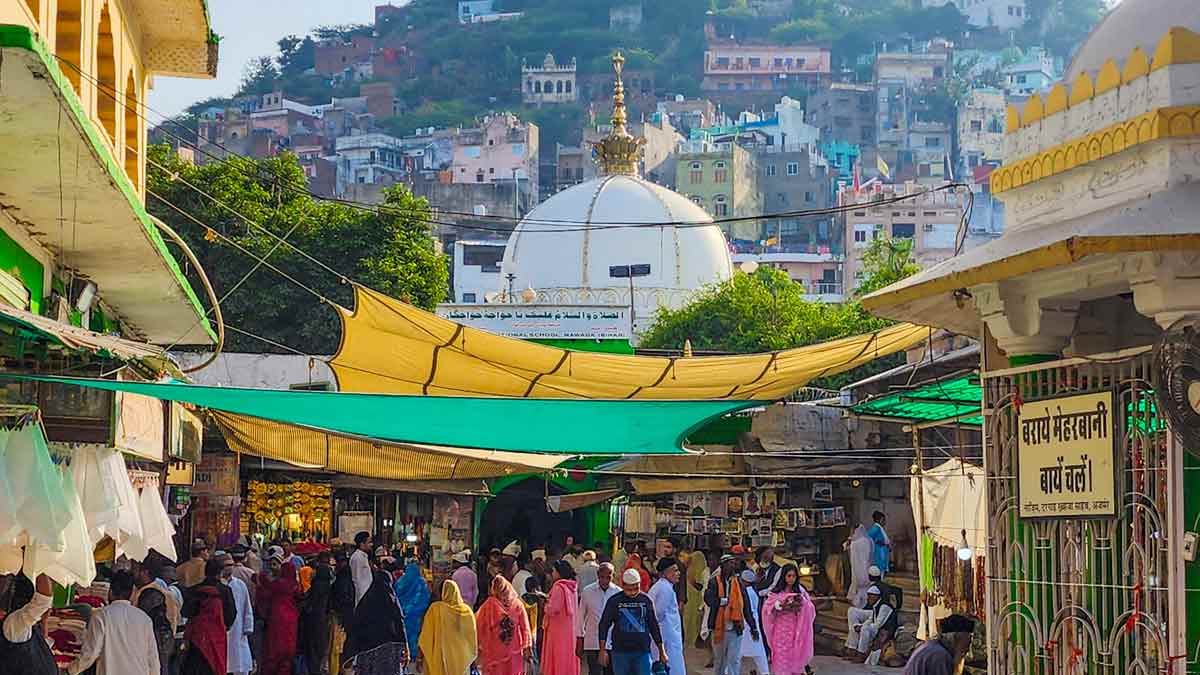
{"points": [[550, 610]]}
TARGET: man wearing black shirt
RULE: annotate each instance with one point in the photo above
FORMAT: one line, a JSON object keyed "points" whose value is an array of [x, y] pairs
{"points": [[630, 617]]}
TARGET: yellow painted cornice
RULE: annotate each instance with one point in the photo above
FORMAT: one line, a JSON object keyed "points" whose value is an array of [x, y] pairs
{"points": [[1178, 46], [1172, 122]]}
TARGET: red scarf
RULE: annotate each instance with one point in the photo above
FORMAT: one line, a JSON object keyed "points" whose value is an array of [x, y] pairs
{"points": [[206, 630]]}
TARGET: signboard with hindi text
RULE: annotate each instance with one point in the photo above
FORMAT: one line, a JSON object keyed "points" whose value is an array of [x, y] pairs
{"points": [[1067, 458]]}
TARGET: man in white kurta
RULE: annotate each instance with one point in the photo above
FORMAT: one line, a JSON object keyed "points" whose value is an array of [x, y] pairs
{"points": [[666, 610], [753, 649], [592, 600], [237, 641], [119, 637]]}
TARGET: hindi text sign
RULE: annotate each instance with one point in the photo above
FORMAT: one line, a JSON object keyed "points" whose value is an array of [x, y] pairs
{"points": [[1067, 457]]}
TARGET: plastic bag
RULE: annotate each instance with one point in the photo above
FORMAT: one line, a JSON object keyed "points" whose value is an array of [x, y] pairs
{"points": [[36, 487], [129, 536], [92, 473], [10, 526], [74, 564], [158, 531]]}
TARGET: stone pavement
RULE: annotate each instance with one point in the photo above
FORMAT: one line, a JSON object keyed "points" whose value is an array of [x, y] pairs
{"points": [[821, 665]]}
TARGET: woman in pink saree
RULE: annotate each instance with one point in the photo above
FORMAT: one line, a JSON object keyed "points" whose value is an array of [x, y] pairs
{"points": [[787, 617]]}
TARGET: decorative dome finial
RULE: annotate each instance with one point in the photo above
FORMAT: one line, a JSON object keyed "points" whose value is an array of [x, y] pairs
{"points": [[619, 152]]}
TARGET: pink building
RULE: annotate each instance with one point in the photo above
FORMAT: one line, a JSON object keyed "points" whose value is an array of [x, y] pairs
{"points": [[736, 67], [502, 149]]}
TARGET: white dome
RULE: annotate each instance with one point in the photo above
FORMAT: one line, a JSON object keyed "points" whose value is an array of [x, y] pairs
{"points": [[1132, 23], [554, 252]]}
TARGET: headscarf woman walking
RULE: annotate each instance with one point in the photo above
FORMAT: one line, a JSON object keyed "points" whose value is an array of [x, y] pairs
{"points": [[277, 599], [412, 592], [315, 619], [502, 626], [377, 639], [693, 609], [558, 648], [448, 641], [788, 617]]}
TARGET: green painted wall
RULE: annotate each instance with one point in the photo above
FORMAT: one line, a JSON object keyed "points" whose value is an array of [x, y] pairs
{"points": [[600, 346], [18, 262], [1191, 511]]}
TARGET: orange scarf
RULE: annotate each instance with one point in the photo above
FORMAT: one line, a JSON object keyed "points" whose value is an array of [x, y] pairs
{"points": [[732, 611]]}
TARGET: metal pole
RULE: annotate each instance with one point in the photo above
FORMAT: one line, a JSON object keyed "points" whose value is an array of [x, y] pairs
{"points": [[631, 309], [921, 524]]}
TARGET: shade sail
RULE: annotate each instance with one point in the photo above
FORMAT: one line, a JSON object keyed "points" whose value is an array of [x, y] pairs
{"points": [[950, 401], [357, 456], [564, 503], [390, 346], [517, 425]]}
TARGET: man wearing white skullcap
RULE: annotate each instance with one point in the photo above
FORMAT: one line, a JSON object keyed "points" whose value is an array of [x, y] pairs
{"points": [[630, 617], [880, 617]]}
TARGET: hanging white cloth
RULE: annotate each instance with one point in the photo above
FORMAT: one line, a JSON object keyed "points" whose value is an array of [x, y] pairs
{"points": [[43, 509], [129, 537], [10, 527], [158, 532], [74, 564], [92, 471], [860, 550]]}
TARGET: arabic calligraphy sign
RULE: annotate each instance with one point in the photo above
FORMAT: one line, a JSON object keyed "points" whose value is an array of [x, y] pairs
{"points": [[547, 322], [1066, 462]]}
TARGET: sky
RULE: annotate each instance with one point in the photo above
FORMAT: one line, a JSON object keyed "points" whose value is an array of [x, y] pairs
{"points": [[249, 30]]}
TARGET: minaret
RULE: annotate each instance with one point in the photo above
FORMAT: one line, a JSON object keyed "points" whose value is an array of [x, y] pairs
{"points": [[619, 152]]}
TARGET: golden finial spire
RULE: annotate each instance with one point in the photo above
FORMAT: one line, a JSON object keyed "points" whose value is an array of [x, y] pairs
{"points": [[619, 152]]}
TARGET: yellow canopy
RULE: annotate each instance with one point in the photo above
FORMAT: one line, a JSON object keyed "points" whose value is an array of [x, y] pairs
{"points": [[392, 347], [315, 448]]}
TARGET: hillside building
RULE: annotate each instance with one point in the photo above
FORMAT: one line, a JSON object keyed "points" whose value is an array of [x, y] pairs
{"points": [[502, 149], [1003, 15], [334, 57], [981, 127], [733, 67], [1030, 75], [725, 184], [930, 220], [483, 11], [686, 114], [845, 113], [549, 82], [915, 69], [370, 159]]}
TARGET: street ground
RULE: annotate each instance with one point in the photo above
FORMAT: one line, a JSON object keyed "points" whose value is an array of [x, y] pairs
{"points": [[821, 665]]}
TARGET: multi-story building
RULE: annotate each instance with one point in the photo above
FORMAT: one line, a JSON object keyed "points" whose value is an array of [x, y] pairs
{"points": [[550, 82], [686, 114], [660, 149], [724, 183], [981, 127], [476, 270], [844, 113], [334, 57], [76, 76], [482, 11], [1000, 14], [916, 69], [932, 220], [501, 149], [792, 178], [819, 273], [743, 67], [572, 163], [927, 153], [368, 159], [1031, 75]]}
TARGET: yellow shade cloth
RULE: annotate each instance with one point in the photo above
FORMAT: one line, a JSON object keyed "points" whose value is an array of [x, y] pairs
{"points": [[316, 448], [392, 347]]}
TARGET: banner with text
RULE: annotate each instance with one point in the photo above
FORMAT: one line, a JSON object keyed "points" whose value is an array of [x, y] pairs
{"points": [[546, 322], [1066, 462]]}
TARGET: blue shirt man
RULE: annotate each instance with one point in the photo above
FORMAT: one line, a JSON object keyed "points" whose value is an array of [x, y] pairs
{"points": [[881, 556]]}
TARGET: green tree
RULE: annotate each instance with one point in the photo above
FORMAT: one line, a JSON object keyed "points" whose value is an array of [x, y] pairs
{"points": [[259, 77], [886, 261], [391, 250]]}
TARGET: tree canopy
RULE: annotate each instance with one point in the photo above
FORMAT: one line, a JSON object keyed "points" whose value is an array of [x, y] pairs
{"points": [[391, 250], [767, 311]]}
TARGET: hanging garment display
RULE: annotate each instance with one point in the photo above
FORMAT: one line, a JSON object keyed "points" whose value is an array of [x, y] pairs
{"points": [[74, 564], [157, 529], [130, 538], [9, 526], [37, 487], [92, 472]]}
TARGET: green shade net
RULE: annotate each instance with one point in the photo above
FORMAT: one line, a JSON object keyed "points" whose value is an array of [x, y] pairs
{"points": [[566, 426], [937, 402]]}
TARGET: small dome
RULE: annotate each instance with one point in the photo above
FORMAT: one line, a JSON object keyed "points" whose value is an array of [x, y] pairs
{"points": [[1132, 23], [554, 251]]}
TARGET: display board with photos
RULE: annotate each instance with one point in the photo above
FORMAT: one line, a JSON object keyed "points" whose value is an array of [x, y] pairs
{"points": [[756, 516]]}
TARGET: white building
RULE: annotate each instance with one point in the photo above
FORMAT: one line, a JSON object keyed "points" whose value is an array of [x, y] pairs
{"points": [[1001, 14], [476, 272], [550, 82], [981, 127], [1035, 73], [370, 159]]}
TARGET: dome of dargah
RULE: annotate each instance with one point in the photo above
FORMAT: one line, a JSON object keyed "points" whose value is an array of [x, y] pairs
{"points": [[1132, 23], [566, 247]]}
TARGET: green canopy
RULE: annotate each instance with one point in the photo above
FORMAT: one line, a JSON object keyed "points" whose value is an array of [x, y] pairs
{"points": [[956, 400], [561, 426]]}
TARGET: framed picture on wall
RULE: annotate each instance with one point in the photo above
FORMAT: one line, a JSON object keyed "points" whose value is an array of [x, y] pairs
{"points": [[822, 492]]}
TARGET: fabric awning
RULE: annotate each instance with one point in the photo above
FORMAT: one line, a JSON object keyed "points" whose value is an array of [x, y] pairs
{"points": [[561, 503], [79, 339], [357, 456], [556, 426], [471, 487], [389, 346], [688, 473], [958, 400]]}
